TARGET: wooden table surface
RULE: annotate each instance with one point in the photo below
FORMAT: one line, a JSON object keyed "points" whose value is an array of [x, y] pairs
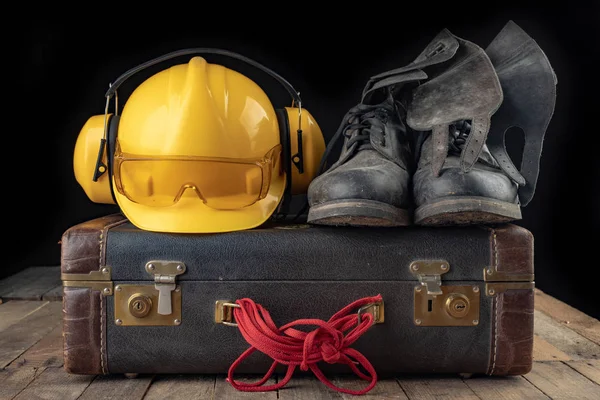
{"points": [[566, 360]]}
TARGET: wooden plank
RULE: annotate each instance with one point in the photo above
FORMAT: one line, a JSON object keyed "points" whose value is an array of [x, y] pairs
{"points": [[436, 388], [559, 381], [55, 294], [570, 342], [544, 351], [48, 352], [55, 383], [571, 317], [384, 389], [14, 380], [224, 391], [588, 368], [307, 388], [12, 312], [27, 332], [118, 387], [504, 388], [30, 284], [165, 387]]}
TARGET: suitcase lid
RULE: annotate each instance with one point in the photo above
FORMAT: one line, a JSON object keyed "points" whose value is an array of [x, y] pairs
{"points": [[302, 252]]}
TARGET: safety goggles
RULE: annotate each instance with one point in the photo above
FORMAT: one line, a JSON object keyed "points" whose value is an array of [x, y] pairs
{"points": [[221, 183]]}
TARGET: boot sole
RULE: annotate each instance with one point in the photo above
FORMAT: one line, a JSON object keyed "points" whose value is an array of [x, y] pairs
{"points": [[358, 213], [467, 210]]}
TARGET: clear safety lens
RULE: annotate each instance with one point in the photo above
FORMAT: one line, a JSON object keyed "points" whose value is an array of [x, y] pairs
{"points": [[220, 184]]}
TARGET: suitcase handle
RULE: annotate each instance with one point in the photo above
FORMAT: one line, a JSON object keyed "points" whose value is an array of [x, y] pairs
{"points": [[329, 342]]}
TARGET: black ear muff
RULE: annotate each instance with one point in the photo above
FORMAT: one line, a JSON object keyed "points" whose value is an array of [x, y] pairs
{"points": [[286, 155], [111, 140]]}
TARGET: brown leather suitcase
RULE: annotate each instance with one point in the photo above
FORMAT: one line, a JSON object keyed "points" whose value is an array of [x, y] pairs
{"points": [[453, 299]]}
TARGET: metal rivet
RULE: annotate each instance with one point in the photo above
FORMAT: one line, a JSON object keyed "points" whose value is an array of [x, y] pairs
{"points": [[418, 288], [415, 267], [150, 266], [475, 321], [118, 288], [491, 292], [118, 322], [177, 322], [106, 290], [490, 271], [476, 289], [105, 270], [179, 268], [418, 321], [444, 267]]}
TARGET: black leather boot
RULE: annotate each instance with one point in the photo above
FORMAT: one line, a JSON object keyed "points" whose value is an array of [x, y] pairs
{"points": [[369, 185], [454, 197], [464, 175]]}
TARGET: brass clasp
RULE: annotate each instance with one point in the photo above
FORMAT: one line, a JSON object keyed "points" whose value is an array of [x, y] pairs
{"points": [[375, 309], [224, 312]]}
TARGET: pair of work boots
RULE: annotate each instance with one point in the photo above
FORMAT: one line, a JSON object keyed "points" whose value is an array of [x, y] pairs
{"points": [[426, 143]]}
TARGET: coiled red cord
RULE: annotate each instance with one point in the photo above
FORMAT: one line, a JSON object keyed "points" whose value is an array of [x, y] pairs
{"points": [[292, 347]]}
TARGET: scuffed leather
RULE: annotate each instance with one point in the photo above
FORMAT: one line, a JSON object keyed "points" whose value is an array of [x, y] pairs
{"points": [[529, 83], [466, 87], [512, 249], [397, 81], [482, 180], [441, 49], [366, 176], [304, 252], [81, 245], [512, 340], [377, 170], [84, 336], [199, 345], [511, 253]]}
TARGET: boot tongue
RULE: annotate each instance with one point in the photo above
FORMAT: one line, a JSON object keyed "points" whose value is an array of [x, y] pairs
{"points": [[457, 137]]}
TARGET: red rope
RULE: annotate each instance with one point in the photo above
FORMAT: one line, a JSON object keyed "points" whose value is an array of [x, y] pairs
{"points": [[292, 347]]}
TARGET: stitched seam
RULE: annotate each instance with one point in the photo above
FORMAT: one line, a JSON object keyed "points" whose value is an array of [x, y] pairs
{"points": [[100, 249], [103, 234], [101, 262], [495, 335], [101, 335], [495, 251]]}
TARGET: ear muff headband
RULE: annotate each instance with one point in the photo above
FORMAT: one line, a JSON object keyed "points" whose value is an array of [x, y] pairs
{"points": [[128, 74], [112, 91]]}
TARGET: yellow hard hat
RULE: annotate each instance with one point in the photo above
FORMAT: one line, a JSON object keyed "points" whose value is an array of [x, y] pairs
{"points": [[200, 149]]}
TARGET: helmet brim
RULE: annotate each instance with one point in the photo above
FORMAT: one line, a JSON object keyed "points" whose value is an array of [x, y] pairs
{"points": [[190, 215]]}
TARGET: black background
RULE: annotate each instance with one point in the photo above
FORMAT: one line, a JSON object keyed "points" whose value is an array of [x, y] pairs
{"points": [[63, 69]]}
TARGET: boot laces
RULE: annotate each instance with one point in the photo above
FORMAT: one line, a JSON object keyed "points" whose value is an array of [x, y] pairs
{"points": [[360, 124], [364, 122], [459, 133]]}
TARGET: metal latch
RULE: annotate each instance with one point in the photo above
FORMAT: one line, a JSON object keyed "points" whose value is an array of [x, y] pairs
{"points": [[165, 273], [430, 274], [224, 312], [375, 309]]}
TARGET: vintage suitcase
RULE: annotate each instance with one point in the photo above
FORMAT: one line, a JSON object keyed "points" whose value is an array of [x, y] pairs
{"points": [[454, 299]]}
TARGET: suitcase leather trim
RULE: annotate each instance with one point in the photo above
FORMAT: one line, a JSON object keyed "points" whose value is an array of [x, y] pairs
{"points": [[512, 325], [84, 309]]}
